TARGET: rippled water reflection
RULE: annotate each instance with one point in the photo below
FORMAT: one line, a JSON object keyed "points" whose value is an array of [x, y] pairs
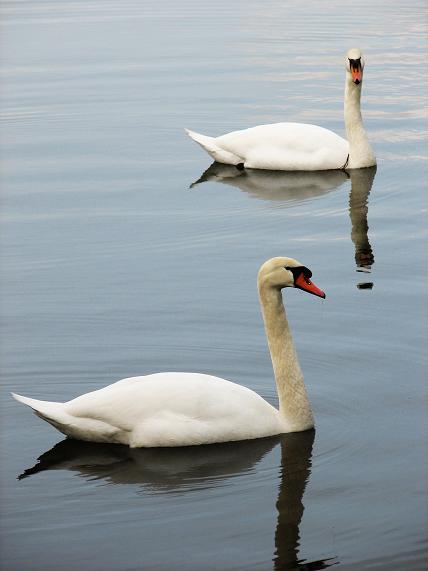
{"points": [[112, 267], [295, 187], [203, 468]]}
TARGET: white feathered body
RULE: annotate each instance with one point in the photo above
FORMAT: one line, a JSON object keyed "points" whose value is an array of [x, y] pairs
{"points": [[185, 409], [164, 409], [300, 146], [278, 146]]}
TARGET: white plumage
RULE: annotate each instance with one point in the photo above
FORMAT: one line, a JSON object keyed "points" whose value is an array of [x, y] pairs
{"points": [[181, 409], [279, 146], [300, 146], [163, 409]]}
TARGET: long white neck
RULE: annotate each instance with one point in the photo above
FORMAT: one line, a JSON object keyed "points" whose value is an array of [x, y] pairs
{"points": [[294, 406], [360, 151]]}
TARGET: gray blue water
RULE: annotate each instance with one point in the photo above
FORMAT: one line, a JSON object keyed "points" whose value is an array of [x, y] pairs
{"points": [[112, 266]]}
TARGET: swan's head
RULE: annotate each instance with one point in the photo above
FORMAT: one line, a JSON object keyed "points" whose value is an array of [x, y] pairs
{"points": [[278, 273], [355, 65]]}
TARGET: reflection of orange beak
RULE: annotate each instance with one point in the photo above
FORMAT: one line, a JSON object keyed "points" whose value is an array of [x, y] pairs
{"points": [[356, 74], [305, 284]]}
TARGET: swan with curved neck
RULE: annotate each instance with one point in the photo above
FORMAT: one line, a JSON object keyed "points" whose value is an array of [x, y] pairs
{"points": [[300, 146], [183, 409]]}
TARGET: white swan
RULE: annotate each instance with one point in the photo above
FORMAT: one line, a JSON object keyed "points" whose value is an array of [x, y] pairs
{"points": [[299, 146], [182, 409]]}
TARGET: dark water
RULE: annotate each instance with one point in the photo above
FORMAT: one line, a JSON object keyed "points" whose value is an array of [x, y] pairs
{"points": [[112, 267]]}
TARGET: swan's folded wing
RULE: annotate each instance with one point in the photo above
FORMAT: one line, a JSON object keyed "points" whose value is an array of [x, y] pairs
{"points": [[287, 146]]}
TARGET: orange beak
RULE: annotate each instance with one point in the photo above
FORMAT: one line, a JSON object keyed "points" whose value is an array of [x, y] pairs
{"points": [[356, 74], [305, 284]]}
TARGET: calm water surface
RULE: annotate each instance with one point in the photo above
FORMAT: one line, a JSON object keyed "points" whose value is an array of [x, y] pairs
{"points": [[112, 266]]}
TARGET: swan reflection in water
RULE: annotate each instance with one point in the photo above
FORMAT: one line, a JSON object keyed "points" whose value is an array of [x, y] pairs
{"points": [[199, 467], [295, 187], [276, 186], [361, 185]]}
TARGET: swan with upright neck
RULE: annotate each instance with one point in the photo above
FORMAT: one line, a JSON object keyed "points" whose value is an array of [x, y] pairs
{"points": [[300, 146], [184, 409]]}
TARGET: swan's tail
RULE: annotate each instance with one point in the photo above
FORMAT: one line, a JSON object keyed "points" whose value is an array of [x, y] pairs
{"points": [[52, 412], [210, 145]]}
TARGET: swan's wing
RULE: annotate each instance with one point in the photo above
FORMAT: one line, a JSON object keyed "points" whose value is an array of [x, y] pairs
{"points": [[287, 146], [165, 409], [177, 409]]}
